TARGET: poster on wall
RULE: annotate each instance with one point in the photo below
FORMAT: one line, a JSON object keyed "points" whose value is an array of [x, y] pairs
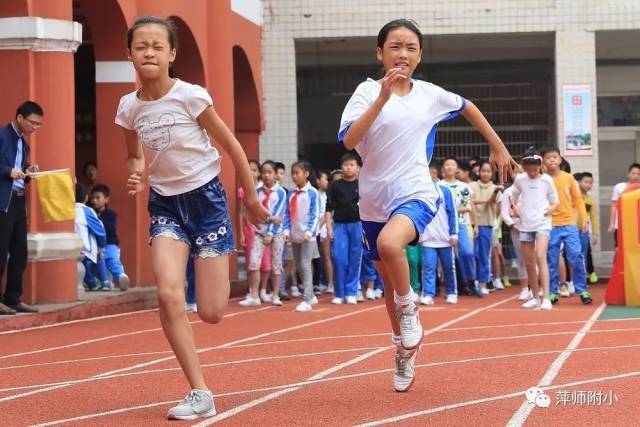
{"points": [[577, 120]]}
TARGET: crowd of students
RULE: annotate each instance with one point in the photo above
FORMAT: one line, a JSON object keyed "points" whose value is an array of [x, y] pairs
{"points": [[313, 242]]}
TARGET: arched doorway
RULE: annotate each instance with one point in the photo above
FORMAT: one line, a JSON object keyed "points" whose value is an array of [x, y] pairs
{"points": [[188, 65], [246, 104]]}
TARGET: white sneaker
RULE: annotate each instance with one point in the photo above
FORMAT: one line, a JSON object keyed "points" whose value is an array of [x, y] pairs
{"points": [[330, 290], [404, 374], [485, 291], [572, 289], [323, 289], [351, 300], [426, 300], [303, 307], [265, 297], [337, 301], [525, 295], [295, 292], [546, 304], [497, 283], [313, 300], [416, 297], [452, 299], [198, 403], [370, 294], [411, 331], [379, 293], [192, 307], [276, 301], [123, 282], [249, 301], [359, 297], [532, 303], [563, 291]]}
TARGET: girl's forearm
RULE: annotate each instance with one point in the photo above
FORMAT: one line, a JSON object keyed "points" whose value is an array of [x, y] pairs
{"points": [[359, 128]]}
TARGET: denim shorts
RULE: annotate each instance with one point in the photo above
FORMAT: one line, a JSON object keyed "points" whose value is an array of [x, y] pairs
{"points": [[531, 236], [416, 210], [200, 218]]}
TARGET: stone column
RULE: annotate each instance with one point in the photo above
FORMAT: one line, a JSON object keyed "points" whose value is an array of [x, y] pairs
{"points": [[40, 51]]}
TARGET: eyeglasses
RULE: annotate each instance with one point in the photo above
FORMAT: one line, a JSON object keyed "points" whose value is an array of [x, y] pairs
{"points": [[34, 123]]}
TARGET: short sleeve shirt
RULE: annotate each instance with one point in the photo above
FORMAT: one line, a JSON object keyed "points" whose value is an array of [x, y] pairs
{"points": [[461, 193], [178, 151], [536, 195], [398, 146]]}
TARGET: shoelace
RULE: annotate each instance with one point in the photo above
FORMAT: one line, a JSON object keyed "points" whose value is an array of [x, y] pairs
{"points": [[192, 397], [405, 319]]}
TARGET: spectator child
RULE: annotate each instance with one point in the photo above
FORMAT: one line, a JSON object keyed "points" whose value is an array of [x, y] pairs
{"points": [[345, 229], [566, 231], [301, 228], [274, 199], [324, 241], [94, 239], [539, 199], [585, 182], [483, 196], [100, 203], [438, 243]]}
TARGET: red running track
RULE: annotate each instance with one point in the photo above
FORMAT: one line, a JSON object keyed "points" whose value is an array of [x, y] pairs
{"points": [[332, 366]]}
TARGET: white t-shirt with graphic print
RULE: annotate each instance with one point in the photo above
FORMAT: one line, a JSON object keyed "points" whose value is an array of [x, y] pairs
{"points": [[398, 146], [178, 151], [461, 193]]}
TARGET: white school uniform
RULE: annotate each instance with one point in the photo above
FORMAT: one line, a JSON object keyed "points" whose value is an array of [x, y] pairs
{"points": [[307, 214], [398, 146]]}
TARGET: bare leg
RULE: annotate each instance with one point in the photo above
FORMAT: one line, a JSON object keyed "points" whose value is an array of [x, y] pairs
{"points": [[264, 281], [542, 242], [169, 262], [529, 255], [213, 295], [388, 298], [392, 241], [497, 262], [254, 283]]}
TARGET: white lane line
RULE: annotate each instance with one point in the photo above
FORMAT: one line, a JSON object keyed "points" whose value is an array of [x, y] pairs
{"points": [[110, 337], [403, 417], [90, 319], [434, 343], [87, 359], [340, 378], [275, 395], [521, 415], [163, 359], [207, 365], [71, 322], [471, 340]]}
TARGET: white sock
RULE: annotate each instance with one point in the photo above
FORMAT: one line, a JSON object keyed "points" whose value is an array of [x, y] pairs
{"points": [[405, 301]]}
